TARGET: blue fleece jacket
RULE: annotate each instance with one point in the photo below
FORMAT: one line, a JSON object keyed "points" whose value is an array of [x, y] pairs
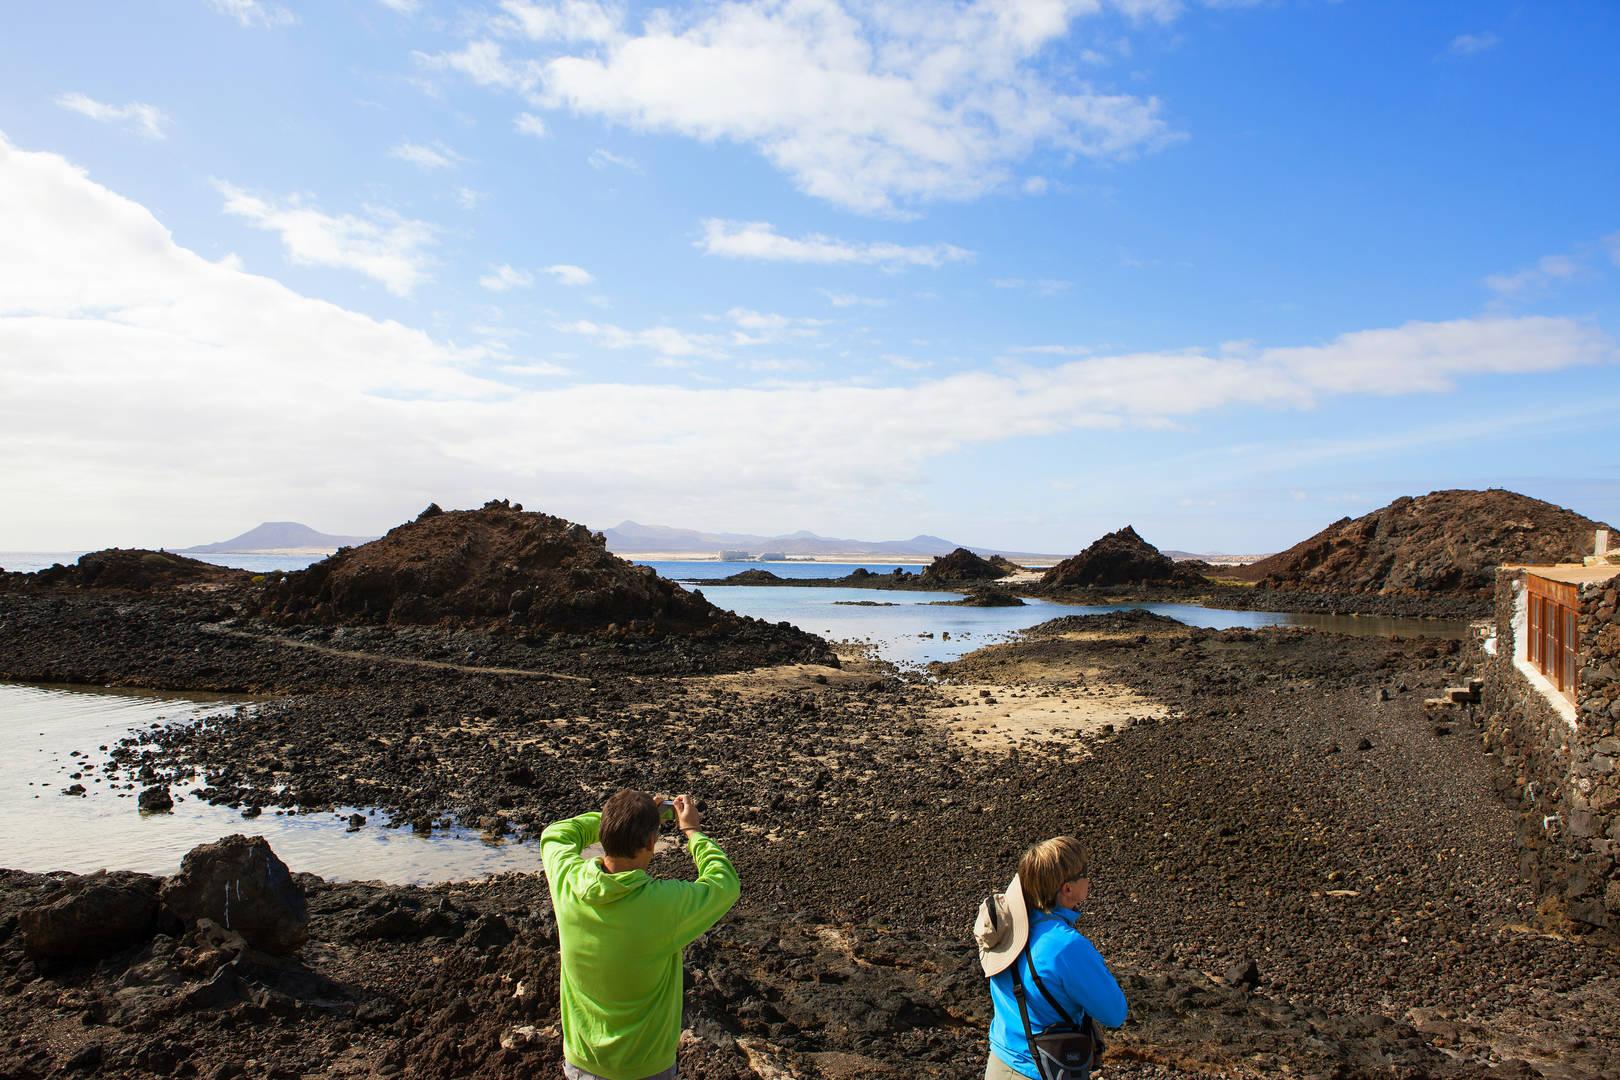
{"points": [[1074, 973]]}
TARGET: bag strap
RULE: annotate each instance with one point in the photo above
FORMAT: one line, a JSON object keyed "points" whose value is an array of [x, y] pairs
{"points": [[1023, 1012], [1047, 994]]}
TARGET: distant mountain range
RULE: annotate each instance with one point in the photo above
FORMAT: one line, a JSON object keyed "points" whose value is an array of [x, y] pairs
{"points": [[278, 536], [633, 538]]}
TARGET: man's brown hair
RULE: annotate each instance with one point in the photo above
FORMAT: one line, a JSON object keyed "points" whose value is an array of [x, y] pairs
{"points": [[1046, 866], [629, 823]]}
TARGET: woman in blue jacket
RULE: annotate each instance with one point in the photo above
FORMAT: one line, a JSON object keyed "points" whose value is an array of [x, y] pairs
{"points": [[1033, 922]]}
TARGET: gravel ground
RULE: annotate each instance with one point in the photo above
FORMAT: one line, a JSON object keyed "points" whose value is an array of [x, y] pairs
{"points": [[1296, 809]]}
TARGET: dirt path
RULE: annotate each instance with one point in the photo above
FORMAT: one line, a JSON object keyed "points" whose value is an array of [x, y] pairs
{"points": [[379, 658]]}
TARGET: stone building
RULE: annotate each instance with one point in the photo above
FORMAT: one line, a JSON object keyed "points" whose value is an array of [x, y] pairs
{"points": [[1552, 714]]}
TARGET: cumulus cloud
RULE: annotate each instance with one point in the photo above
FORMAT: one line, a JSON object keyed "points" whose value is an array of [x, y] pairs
{"points": [[570, 275], [131, 360], [529, 124], [382, 245], [504, 277], [137, 116], [871, 106], [760, 240], [253, 13], [422, 156]]}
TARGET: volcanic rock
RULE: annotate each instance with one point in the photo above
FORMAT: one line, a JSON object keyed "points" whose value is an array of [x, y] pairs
{"points": [[988, 598], [500, 565], [1120, 558], [963, 565], [136, 569], [1445, 542], [92, 916], [155, 800], [752, 577], [240, 884]]}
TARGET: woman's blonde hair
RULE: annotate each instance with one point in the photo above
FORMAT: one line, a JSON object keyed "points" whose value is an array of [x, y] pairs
{"points": [[1046, 866]]}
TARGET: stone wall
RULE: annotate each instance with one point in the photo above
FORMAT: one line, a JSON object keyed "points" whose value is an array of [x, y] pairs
{"points": [[1560, 764]]}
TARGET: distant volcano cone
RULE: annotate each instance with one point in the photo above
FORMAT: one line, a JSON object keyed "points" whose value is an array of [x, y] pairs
{"points": [[1120, 558], [964, 565]]}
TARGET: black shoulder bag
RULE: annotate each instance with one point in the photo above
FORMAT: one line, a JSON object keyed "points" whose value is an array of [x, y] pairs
{"points": [[1065, 1050]]}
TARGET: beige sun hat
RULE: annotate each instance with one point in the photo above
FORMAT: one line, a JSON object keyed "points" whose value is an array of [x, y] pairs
{"points": [[1001, 928]]}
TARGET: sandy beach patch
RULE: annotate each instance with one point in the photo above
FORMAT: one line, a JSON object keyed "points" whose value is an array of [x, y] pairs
{"points": [[1000, 716]]}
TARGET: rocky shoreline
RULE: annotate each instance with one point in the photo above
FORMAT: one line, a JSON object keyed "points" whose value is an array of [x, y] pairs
{"points": [[1297, 869]]}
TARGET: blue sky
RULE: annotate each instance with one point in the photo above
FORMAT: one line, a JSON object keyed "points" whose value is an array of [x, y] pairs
{"points": [[1015, 274]]}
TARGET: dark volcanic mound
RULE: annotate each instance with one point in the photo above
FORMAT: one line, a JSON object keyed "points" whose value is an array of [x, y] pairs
{"points": [[1120, 558], [1445, 542], [528, 571], [137, 569], [752, 577], [962, 565]]}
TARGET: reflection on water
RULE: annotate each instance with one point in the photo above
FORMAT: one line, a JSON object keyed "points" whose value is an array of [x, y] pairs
{"points": [[41, 829], [896, 629]]}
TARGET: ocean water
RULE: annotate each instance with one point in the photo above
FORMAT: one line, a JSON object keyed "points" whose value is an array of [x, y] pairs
{"points": [[27, 562]]}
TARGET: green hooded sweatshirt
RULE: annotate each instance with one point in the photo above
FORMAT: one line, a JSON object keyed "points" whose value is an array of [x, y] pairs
{"points": [[622, 937]]}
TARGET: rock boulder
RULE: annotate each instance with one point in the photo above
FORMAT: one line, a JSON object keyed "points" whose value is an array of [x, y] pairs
{"points": [[240, 884], [92, 916]]}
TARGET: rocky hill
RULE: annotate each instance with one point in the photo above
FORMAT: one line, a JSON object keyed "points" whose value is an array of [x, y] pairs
{"points": [[1442, 543], [500, 565], [1119, 558], [963, 565], [137, 569]]}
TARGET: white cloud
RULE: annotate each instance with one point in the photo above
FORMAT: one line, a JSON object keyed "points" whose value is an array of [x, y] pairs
{"points": [[666, 341], [255, 12], [1054, 350], [1612, 244], [382, 245], [760, 240], [1548, 270], [437, 156], [570, 275], [569, 20], [845, 299], [469, 198], [404, 7], [1042, 286], [874, 107], [542, 368], [768, 328], [504, 277], [1470, 44], [529, 124], [137, 116], [130, 360], [1036, 185], [601, 159]]}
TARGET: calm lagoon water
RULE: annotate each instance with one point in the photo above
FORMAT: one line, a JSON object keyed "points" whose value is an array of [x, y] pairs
{"points": [[912, 630], [41, 829]]}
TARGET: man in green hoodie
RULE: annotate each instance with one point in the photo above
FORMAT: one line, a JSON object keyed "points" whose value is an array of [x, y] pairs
{"points": [[623, 933]]}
